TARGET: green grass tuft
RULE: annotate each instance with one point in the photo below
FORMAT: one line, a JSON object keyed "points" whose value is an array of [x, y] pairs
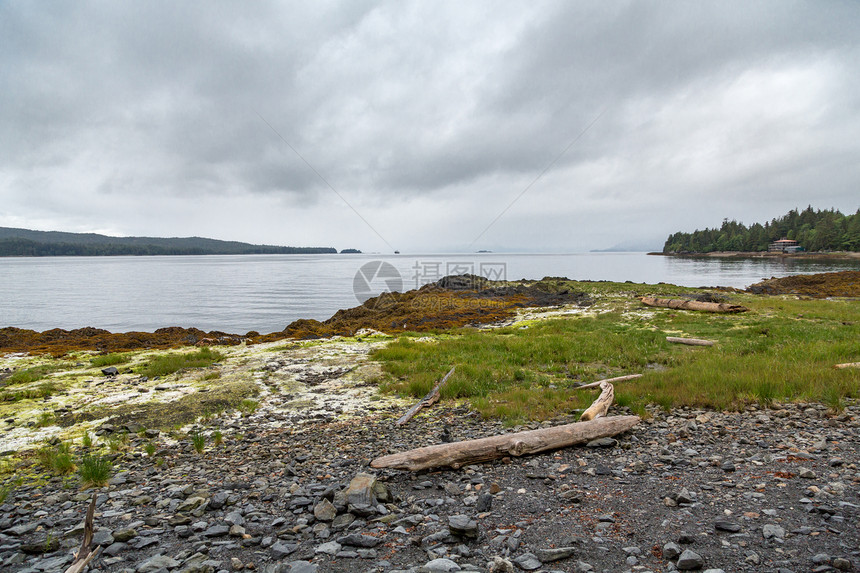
{"points": [[94, 471], [248, 406], [173, 362], [56, 459], [30, 375], [198, 440], [109, 360]]}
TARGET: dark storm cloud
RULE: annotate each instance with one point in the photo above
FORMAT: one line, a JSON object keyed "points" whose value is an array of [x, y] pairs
{"points": [[397, 103]]}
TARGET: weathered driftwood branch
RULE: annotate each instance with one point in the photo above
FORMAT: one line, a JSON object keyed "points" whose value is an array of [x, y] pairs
{"points": [[847, 365], [86, 553], [610, 380], [600, 406], [690, 341], [692, 304], [458, 454], [431, 398]]}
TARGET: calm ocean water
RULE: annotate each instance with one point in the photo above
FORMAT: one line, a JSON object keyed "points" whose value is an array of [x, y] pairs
{"points": [[267, 292]]}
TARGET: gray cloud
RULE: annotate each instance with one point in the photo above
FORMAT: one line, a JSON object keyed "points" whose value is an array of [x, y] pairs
{"points": [[428, 118]]}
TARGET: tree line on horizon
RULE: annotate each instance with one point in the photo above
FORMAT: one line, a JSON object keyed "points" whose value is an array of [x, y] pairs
{"points": [[28, 243], [814, 230]]}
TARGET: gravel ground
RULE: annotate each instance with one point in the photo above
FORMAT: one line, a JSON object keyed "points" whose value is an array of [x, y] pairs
{"points": [[762, 490]]}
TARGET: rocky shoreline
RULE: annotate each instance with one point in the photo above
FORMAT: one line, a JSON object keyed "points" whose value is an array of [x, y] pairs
{"points": [[762, 490], [286, 485]]}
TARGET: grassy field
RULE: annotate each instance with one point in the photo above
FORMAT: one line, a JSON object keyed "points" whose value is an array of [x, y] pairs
{"points": [[784, 349]]}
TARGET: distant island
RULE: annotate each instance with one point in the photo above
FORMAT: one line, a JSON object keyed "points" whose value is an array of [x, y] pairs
{"points": [[808, 230], [27, 243]]}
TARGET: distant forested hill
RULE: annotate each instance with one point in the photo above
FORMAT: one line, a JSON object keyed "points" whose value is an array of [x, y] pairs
{"points": [[813, 230], [27, 243]]}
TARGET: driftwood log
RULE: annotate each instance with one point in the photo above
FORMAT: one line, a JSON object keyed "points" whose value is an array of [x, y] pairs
{"points": [[690, 341], [847, 365], [86, 553], [600, 406], [459, 454], [431, 398], [692, 304], [610, 380]]}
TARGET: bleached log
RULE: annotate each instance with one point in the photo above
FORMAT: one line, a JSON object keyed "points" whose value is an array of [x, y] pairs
{"points": [[600, 406], [847, 365], [86, 553], [692, 304], [690, 341], [610, 380], [431, 398], [458, 454]]}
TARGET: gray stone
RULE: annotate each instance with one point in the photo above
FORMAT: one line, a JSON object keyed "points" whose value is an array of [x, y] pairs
{"points": [[330, 548], [19, 530], [157, 562], [602, 443], [500, 565], [190, 504], [690, 560], [325, 510], [842, 564], [463, 526], [484, 503], [302, 567], [102, 537], [772, 531], [359, 495], [359, 540], [806, 473], [54, 564], [554, 554], [342, 521], [528, 562], [280, 550], [726, 525], [125, 534], [440, 565], [671, 550], [218, 501], [142, 542], [216, 531], [820, 558], [114, 548]]}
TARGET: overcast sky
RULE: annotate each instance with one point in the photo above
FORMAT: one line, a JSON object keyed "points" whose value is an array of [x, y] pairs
{"points": [[415, 125]]}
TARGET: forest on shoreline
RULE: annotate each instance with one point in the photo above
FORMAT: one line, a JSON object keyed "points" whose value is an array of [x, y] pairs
{"points": [[814, 230], [28, 243]]}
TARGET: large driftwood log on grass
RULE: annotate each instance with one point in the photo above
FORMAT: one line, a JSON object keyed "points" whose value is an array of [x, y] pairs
{"points": [[847, 365], [692, 304], [690, 341], [458, 454], [431, 398]]}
